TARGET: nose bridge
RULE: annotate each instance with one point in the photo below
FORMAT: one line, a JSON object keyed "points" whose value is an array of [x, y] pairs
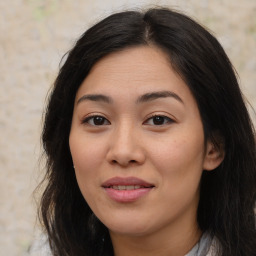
{"points": [[125, 146], [123, 138]]}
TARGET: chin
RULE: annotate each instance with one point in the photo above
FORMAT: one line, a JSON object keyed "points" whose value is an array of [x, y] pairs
{"points": [[129, 227]]}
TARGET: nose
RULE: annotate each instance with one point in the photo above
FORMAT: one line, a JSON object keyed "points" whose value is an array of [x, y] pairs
{"points": [[125, 147]]}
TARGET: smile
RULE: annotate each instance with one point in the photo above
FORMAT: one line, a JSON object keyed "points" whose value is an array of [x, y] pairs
{"points": [[125, 190], [130, 187]]}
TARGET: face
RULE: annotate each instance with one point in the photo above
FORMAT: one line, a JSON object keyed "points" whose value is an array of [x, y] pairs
{"points": [[137, 144]]}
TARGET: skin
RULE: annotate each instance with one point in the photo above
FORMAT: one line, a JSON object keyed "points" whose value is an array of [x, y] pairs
{"points": [[127, 142]]}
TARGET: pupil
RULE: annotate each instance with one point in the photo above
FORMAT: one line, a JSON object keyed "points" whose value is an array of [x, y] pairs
{"points": [[98, 120], [158, 120]]}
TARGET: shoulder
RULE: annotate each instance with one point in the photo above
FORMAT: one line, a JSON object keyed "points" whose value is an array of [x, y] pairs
{"points": [[206, 246], [40, 247], [215, 246]]}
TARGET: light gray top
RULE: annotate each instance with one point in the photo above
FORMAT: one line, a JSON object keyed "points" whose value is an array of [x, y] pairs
{"points": [[205, 247]]}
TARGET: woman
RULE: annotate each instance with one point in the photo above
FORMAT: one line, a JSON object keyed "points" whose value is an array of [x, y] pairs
{"points": [[150, 149]]}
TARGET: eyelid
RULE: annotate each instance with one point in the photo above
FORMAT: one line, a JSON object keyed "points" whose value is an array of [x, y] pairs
{"points": [[170, 119], [85, 120]]}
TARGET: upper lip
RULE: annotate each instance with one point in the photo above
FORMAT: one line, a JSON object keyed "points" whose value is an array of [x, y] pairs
{"points": [[125, 181]]}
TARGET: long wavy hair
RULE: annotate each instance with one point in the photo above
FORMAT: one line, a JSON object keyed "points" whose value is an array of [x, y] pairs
{"points": [[227, 194]]}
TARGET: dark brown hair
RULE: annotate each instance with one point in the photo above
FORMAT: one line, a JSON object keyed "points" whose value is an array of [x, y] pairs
{"points": [[227, 194]]}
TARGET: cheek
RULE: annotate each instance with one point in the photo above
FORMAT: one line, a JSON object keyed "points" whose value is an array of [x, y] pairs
{"points": [[87, 153], [87, 157], [180, 166], [178, 152], [179, 160]]}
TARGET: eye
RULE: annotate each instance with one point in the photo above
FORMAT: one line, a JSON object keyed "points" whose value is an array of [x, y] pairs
{"points": [[96, 120], [158, 120]]}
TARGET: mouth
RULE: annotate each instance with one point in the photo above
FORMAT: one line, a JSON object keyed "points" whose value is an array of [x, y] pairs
{"points": [[128, 189]]}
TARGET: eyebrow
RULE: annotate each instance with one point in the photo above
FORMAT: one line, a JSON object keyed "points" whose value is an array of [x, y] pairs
{"points": [[95, 97], [156, 95], [142, 99]]}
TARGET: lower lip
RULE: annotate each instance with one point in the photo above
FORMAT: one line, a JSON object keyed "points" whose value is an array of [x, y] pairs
{"points": [[126, 196]]}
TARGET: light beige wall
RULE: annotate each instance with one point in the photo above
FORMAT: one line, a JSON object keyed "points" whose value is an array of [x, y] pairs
{"points": [[34, 36]]}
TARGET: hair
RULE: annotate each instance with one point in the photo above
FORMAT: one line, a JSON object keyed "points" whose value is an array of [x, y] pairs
{"points": [[227, 194]]}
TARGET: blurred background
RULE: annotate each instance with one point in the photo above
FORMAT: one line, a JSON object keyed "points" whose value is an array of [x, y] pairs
{"points": [[34, 35]]}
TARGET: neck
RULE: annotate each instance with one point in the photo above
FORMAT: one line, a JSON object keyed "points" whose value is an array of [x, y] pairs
{"points": [[168, 242]]}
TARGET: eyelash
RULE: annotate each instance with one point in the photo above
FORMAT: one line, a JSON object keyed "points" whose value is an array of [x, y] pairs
{"points": [[167, 120], [92, 117]]}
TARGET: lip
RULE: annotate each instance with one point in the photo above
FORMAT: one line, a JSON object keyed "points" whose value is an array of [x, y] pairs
{"points": [[125, 196], [126, 181]]}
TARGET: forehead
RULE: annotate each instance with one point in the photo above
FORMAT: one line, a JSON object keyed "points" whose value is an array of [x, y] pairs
{"points": [[136, 70], [147, 60]]}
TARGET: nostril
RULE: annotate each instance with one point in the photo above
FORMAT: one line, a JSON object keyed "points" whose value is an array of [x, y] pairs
{"points": [[120, 162]]}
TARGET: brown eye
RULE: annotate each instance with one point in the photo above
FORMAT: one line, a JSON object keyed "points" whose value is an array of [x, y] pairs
{"points": [[96, 121], [158, 120]]}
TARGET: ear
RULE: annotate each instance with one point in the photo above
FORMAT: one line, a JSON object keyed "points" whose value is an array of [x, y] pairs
{"points": [[214, 154]]}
